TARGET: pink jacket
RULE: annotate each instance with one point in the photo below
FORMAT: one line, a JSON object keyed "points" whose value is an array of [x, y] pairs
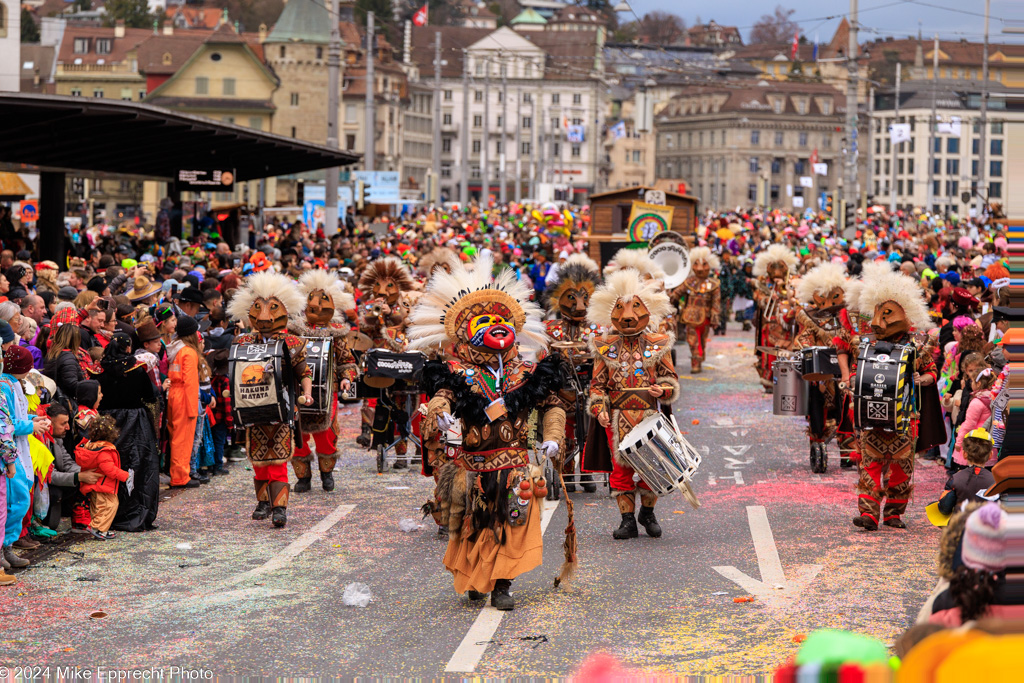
{"points": [[978, 412]]}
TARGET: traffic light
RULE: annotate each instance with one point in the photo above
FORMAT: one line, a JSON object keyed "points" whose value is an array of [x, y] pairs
{"points": [[849, 214], [829, 209]]}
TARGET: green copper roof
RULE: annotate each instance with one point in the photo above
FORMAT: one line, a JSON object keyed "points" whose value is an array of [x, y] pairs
{"points": [[302, 21], [529, 16]]}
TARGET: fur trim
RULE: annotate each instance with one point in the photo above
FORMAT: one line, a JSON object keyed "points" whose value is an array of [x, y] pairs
{"points": [[821, 279], [638, 260], [265, 285], [388, 268], [774, 254], [704, 254], [625, 284], [879, 287], [581, 259]]}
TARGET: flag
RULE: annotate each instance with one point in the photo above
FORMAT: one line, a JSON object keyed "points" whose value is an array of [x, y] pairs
{"points": [[820, 169], [420, 18], [899, 132], [618, 130], [814, 156], [796, 46], [814, 54], [951, 128], [565, 121], [574, 134]]}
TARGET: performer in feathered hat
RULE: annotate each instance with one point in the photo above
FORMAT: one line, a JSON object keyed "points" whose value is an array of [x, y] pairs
{"points": [[633, 373], [773, 269], [489, 493], [699, 302], [324, 317], [568, 297], [824, 321], [265, 300], [896, 307]]}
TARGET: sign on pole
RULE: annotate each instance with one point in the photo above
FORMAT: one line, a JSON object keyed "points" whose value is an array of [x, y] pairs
{"points": [[206, 180], [379, 187]]}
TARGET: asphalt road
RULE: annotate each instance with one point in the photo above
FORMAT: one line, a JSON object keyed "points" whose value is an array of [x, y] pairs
{"points": [[212, 590]]}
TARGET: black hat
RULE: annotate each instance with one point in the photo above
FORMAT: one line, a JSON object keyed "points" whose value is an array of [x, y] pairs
{"points": [[97, 284], [187, 325], [190, 295]]}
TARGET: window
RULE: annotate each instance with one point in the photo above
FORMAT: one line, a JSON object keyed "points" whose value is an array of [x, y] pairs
{"points": [[799, 167], [936, 166], [126, 94], [777, 105], [295, 99], [228, 87], [576, 150], [527, 122], [801, 106], [899, 186], [478, 95], [319, 53], [938, 145], [524, 148], [554, 98], [527, 98], [910, 186], [104, 46], [293, 134], [995, 168], [997, 126], [501, 121], [98, 92], [689, 139], [202, 85], [975, 146], [577, 122], [501, 96], [556, 124], [499, 148], [446, 144], [446, 120], [952, 188], [256, 122], [779, 137], [81, 46], [995, 190], [350, 141], [974, 168], [447, 95], [775, 193], [952, 167], [351, 113], [476, 146], [446, 171], [888, 167], [577, 98], [474, 171], [637, 156], [826, 107], [700, 139], [953, 145], [557, 150], [776, 166], [910, 166], [899, 168], [802, 139], [282, 52], [755, 137], [478, 121], [996, 148], [936, 187], [228, 119], [712, 138], [76, 92], [479, 72], [753, 164], [752, 193]]}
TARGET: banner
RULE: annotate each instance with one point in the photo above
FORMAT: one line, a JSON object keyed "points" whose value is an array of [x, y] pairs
{"points": [[618, 130], [951, 128], [806, 181], [821, 169], [647, 220], [899, 132], [574, 134]]}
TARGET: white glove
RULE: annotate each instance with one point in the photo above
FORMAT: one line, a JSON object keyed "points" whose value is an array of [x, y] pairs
{"points": [[549, 448], [130, 483], [445, 421]]}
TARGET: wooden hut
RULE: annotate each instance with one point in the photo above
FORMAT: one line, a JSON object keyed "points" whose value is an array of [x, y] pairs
{"points": [[609, 218]]}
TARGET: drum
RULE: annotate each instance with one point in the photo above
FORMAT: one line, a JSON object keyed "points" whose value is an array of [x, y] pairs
{"points": [[661, 456], [790, 394], [260, 383], [384, 368], [819, 363], [884, 391], [320, 357]]}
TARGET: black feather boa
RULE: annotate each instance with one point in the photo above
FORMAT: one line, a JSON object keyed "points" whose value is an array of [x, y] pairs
{"points": [[469, 405]]}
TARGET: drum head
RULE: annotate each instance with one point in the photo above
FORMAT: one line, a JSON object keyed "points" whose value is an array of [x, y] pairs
{"points": [[639, 433], [379, 382]]}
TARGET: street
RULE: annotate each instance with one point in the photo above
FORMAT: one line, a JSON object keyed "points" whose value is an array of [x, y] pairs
{"points": [[213, 590]]}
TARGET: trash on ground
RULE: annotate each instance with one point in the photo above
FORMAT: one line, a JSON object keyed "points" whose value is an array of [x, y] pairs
{"points": [[746, 598], [91, 579], [720, 593], [396, 488], [184, 546], [357, 595], [98, 615], [409, 525]]}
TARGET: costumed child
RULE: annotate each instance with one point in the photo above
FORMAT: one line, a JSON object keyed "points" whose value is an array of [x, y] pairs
{"points": [[633, 377], [966, 484], [99, 453]]}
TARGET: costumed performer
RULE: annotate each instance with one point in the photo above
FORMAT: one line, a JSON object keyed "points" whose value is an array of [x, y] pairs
{"points": [[773, 268], [700, 303]]}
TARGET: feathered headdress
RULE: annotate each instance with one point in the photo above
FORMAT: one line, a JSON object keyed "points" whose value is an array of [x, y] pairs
{"points": [[579, 270], [774, 254], [439, 256], [265, 285], [388, 268], [626, 284], [704, 254], [821, 279], [313, 280], [451, 299], [638, 260], [880, 284]]}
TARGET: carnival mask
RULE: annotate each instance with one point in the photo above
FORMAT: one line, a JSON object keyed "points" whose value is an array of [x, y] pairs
{"points": [[573, 304], [491, 333], [630, 317], [777, 271], [319, 307], [268, 316], [387, 289], [701, 269], [889, 321], [830, 300]]}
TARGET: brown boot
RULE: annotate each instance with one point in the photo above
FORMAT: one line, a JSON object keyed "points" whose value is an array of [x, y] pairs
{"points": [[7, 579], [279, 502], [262, 510], [694, 367]]}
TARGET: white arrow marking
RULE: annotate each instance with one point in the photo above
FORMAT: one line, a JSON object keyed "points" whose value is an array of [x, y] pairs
{"points": [[739, 433], [738, 451], [724, 421], [734, 464], [736, 476], [774, 589]]}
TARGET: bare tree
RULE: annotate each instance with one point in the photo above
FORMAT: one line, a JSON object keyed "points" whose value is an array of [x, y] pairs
{"points": [[661, 28], [774, 28]]}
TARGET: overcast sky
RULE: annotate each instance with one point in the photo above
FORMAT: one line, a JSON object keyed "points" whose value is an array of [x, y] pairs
{"points": [[880, 18]]}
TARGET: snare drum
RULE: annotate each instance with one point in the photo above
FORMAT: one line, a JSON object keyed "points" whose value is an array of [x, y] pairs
{"points": [[320, 357], [819, 363], [884, 386], [661, 456], [259, 386], [789, 396]]}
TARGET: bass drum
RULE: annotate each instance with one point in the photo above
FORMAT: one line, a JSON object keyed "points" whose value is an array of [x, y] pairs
{"points": [[260, 382], [316, 416], [884, 390]]}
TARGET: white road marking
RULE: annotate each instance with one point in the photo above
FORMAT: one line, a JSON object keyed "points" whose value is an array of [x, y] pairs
{"points": [[293, 549], [774, 589], [736, 476], [738, 451], [472, 647]]}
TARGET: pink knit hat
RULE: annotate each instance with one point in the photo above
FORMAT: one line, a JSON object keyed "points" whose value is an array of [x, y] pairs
{"points": [[984, 546]]}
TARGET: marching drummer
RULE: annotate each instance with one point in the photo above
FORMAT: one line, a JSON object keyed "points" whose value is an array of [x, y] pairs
{"points": [[324, 318], [633, 373], [773, 269], [265, 300]]}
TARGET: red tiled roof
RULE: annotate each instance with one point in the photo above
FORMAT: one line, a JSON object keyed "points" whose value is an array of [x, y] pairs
{"points": [[119, 46]]}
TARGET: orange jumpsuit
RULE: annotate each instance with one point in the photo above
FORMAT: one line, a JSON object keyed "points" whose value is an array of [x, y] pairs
{"points": [[183, 411]]}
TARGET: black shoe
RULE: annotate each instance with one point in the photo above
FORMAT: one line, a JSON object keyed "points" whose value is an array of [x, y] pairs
{"points": [[280, 517], [302, 485], [192, 484], [587, 483], [262, 510], [327, 480], [201, 478], [627, 528], [895, 523], [365, 437], [500, 598], [846, 463], [649, 522], [865, 523], [152, 527], [220, 472], [475, 595]]}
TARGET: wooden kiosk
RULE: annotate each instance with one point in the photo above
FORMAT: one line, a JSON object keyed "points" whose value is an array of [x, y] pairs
{"points": [[609, 218]]}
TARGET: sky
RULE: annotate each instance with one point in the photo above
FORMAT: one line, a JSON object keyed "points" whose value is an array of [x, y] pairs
{"points": [[951, 19]]}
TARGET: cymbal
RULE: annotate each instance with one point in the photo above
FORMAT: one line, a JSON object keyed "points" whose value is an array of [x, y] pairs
{"points": [[774, 351], [357, 341]]}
